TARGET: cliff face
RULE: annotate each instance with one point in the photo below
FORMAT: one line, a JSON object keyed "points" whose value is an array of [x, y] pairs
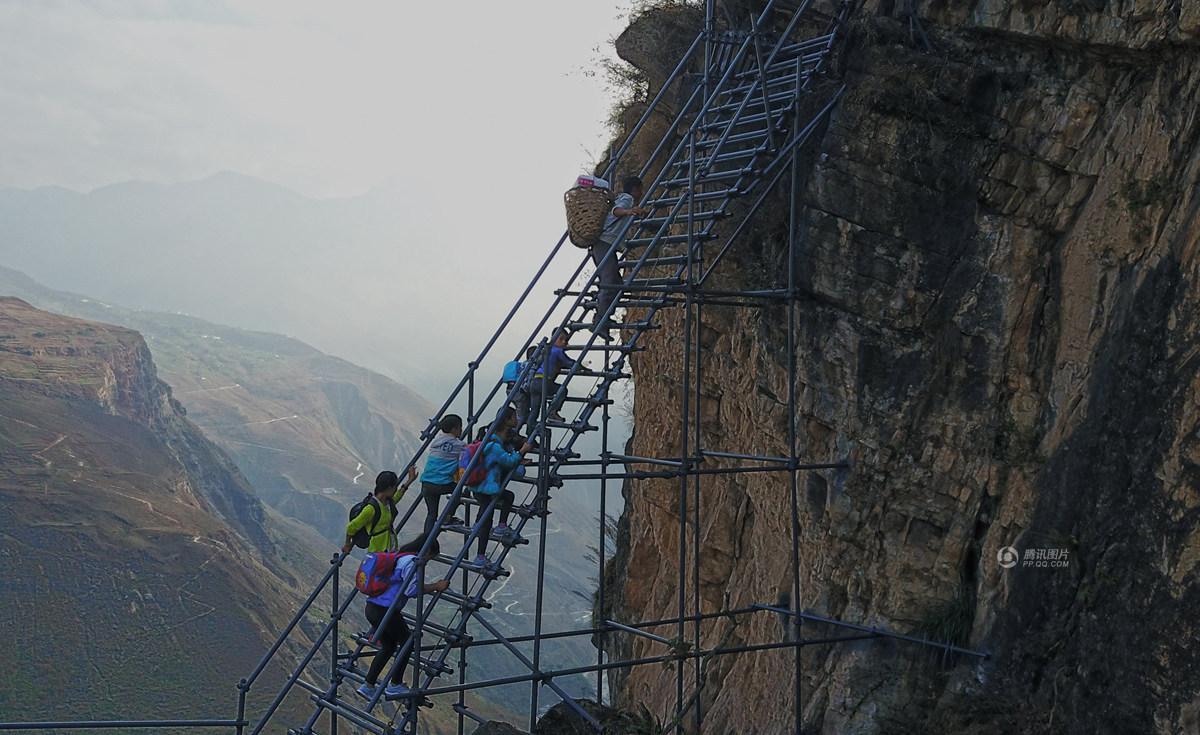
{"points": [[128, 542], [112, 369], [999, 330], [308, 430]]}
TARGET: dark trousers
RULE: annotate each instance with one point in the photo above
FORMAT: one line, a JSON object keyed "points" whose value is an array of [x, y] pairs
{"points": [[504, 503], [521, 404], [431, 493], [390, 638], [609, 277], [535, 403]]}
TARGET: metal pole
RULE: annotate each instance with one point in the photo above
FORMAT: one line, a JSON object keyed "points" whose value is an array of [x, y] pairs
{"points": [[685, 422], [794, 474], [875, 631], [471, 391], [240, 728], [703, 471], [462, 651], [460, 632], [601, 611], [119, 724], [696, 441], [693, 245], [333, 657], [295, 676], [540, 676], [692, 319], [665, 658], [393, 609], [762, 81], [465, 584], [416, 642], [541, 502], [262, 663]]}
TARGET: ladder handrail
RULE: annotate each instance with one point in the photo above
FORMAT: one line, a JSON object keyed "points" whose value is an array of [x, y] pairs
{"points": [[428, 434], [608, 375], [650, 248], [573, 371]]}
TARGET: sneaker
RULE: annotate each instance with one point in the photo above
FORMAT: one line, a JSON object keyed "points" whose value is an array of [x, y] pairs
{"points": [[366, 691], [501, 529], [397, 691], [481, 561], [556, 416], [453, 523]]}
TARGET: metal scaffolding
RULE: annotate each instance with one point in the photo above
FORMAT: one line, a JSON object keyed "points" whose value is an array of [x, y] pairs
{"points": [[742, 102]]}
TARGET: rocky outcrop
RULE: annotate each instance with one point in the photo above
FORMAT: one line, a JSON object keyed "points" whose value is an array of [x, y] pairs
{"points": [[495, 727], [562, 720], [999, 330], [111, 367], [134, 530], [308, 430]]}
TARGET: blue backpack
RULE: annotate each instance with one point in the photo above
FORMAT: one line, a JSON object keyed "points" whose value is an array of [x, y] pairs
{"points": [[512, 372]]}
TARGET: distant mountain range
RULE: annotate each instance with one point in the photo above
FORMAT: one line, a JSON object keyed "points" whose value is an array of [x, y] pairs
{"points": [[359, 277], [309, 431]]}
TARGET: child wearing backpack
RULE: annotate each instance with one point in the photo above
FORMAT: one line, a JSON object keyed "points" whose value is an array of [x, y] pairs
{"points": [[370, 525], [512, 379], [401, 586], [439, 479], [490, 472], [551, 364]]}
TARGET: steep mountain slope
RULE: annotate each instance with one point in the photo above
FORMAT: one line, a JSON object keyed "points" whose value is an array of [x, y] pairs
{"points": [[1000, 313], [304, 427], [235, 384], [141, 575]]}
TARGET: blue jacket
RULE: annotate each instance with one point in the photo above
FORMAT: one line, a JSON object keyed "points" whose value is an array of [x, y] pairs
{"points": [[499, 463], [443, 460], [557, 361]]}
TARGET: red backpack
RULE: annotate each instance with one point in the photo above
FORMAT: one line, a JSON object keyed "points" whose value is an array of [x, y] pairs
{"points": [[478, 473], [375, 572]]}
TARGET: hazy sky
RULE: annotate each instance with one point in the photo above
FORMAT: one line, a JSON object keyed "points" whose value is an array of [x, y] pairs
{"points": [[466, 121], [328, 98]]}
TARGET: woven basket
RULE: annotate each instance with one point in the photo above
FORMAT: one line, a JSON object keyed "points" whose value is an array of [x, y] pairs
{"points": [[587, 208]]}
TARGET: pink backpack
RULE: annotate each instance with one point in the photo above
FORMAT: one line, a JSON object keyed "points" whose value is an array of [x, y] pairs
{"points": [[478, 473]]}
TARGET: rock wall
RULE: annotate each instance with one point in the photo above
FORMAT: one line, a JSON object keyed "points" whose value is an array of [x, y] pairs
{"points": [[112, 368], [998, 328]]}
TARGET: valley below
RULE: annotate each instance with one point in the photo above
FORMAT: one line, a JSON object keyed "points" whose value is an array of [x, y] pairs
{"points": [[299, 433]]}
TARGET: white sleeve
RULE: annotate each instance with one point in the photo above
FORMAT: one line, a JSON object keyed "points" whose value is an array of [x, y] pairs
{"points": [[414, 583]]}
